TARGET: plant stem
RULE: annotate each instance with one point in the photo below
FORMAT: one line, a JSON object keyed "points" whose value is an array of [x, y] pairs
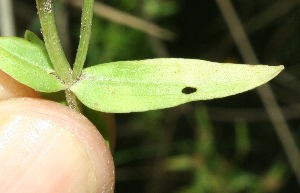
{"points": [[52, 42], [72, 101], [85, 32]]}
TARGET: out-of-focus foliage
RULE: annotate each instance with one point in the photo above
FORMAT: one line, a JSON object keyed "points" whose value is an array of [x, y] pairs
{"points": [[156, 9], [112, 42]]}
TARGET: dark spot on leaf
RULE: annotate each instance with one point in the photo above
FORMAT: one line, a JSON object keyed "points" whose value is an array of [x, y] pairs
{"points": [[188, 90]]}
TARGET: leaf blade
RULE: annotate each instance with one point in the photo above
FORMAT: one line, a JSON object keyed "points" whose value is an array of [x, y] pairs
{"points": [[134, 86], [31, 37], [29, 64]]}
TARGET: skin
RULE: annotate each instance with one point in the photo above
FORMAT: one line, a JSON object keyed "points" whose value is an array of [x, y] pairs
{"points": [[47, 147], [10, 88]]}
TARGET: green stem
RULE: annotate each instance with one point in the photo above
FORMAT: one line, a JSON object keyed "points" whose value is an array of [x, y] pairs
{"points": [[85, 32], [52, 42], [72, 100]]}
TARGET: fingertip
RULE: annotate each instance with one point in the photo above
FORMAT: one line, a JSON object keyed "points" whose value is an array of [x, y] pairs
{"points": [[47, 145]]}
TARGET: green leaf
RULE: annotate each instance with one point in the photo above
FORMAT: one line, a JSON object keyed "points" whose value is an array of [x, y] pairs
{"points": [[134, 86], [28, 62], [31, 37]]}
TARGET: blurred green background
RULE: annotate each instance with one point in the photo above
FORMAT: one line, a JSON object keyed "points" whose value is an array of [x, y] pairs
{"points": [[224, 145]]}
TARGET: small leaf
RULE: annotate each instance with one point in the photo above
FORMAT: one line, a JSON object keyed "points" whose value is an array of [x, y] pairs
{"points": [[31, 37], [133, 86], [28, 62]]}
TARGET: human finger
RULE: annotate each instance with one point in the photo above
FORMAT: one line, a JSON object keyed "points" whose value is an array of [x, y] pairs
{"points": [[47, 147]]}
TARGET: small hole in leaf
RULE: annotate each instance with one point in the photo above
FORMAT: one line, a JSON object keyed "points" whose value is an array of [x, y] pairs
{"points": [[188, 90]]}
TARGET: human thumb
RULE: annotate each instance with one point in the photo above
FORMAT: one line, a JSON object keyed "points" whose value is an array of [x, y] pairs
{"points": [[46, 147]]}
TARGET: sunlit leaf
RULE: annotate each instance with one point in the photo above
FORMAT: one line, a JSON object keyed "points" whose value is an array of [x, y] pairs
{"points": [[28, 62], [160, 83]]}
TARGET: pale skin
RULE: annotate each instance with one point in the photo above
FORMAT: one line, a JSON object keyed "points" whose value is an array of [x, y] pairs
{"points": [[46, 147]]}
